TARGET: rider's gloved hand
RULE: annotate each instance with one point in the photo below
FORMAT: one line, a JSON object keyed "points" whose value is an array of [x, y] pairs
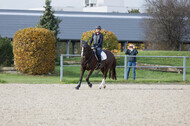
{"points": [[92, 47], [96, 47]]}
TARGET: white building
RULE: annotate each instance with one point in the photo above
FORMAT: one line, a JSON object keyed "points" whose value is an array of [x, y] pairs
{"points": [[104, 6], [121, 6]]}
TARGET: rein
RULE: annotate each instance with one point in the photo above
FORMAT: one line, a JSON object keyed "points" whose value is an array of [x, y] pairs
{"points": [[88, 60]]}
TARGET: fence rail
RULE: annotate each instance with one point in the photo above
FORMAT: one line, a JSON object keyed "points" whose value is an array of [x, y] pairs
{"points": [[184, 67]]}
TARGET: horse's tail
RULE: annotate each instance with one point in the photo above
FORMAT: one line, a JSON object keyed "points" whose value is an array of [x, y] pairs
{"points": [[112, 72]]}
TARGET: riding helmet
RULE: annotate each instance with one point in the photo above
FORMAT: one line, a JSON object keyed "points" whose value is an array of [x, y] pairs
{"points": [[98, 27]]}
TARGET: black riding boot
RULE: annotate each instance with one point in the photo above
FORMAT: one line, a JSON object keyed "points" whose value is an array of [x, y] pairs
{"points": [[99, 62]]}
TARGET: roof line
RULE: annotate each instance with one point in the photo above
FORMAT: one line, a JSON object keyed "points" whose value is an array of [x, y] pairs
{"points": [[79, 15]]}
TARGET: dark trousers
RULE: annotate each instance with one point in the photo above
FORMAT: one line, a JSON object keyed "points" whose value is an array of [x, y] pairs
{"points": [[98, 51]]}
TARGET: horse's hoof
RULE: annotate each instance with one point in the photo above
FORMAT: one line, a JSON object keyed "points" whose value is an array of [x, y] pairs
{"points": [[90, 85], [77, 88], [104, 86], [100, 87]]}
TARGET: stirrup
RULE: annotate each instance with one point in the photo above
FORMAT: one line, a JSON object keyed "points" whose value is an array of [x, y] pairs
{"points": [[100, 65]]}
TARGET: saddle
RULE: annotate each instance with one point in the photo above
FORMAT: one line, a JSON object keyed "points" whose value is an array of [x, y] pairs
{"points": [[103, 56]]}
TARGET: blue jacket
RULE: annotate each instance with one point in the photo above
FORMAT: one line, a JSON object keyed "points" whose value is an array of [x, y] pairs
{"points": [[100, 41]]}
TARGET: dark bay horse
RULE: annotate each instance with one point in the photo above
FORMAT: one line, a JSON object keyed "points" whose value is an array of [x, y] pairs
{"points": [[89, 62]]}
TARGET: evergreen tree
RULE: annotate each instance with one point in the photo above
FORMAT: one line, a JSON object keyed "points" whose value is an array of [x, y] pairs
{"points": [[48, 20]]}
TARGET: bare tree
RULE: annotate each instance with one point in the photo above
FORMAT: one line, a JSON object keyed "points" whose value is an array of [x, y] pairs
{"points": [[169, 26]]}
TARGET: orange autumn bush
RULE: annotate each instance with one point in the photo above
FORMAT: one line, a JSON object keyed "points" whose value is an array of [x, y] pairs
{"points": [[110, 41], [34, 51]]}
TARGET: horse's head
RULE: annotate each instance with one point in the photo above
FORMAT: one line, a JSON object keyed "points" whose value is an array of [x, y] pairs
{"points": [[85, 48]]}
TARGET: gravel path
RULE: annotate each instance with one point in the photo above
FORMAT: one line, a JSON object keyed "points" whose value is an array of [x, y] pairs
{"points": [[117, 105]]}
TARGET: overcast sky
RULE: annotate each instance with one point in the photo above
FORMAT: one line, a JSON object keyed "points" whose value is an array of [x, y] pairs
{"points": [[28, 4]]}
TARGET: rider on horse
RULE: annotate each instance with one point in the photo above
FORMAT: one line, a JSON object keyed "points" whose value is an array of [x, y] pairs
{"points": [[97, 39]]}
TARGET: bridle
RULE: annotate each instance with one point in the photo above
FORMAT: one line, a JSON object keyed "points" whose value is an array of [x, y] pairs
{"points": [[89, 59]]}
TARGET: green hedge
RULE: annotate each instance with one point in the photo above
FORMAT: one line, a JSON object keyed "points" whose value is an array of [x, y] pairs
{"points": [[6, 53]]}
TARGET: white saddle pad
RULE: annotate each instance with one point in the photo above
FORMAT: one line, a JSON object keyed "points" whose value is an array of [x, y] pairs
{"points": [[103, 55]]}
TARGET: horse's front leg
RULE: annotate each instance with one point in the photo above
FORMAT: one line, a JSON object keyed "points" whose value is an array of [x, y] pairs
{"points": [[81, 76], [87, 78]]}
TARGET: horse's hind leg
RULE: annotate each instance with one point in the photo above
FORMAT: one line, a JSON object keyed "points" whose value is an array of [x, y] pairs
{"points": [[103, 80], [87, 78], [103, 83]]}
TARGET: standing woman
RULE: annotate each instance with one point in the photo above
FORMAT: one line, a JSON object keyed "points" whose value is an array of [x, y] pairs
{"points": [[97, 39], [131, 51]]}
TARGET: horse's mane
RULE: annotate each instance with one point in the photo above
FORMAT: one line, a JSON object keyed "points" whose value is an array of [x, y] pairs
{"points": [[84, 44]]}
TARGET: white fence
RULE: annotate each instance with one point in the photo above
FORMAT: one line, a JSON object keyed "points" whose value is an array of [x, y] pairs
{"points": [[184, 67]]}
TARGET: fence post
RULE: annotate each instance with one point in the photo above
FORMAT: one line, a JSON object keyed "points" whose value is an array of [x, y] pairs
{"points": [[61, 69], [184, 68], [68, 45], [125, 46], [125, 68]]}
